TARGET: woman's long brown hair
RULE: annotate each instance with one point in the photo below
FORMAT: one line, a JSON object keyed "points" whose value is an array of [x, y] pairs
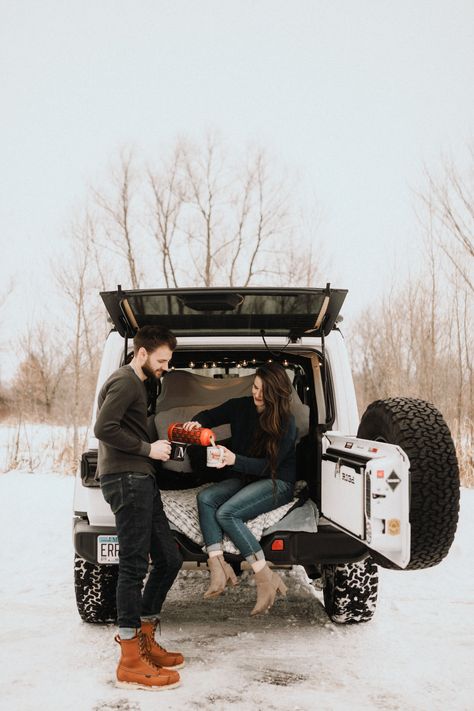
{"points": [[275, 417]]}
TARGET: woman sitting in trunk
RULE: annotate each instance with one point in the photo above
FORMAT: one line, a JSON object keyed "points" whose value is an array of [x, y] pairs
{"points": [[259, 475]]}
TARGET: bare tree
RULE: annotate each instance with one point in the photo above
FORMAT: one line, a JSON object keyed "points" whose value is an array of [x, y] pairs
{"points": [[301, 258], [208, 218], [447, 219], [77, 282], [449, 200], [236, 215], [415, 343], [41, 371], [4, 295], [204, 181], [269, 204], [165, 210], [119, 224]]}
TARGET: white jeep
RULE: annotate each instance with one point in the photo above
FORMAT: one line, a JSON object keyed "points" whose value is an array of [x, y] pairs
{"points": [[380, 491]]}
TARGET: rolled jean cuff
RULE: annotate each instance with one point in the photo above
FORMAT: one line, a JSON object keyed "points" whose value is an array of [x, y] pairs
{"points": [[258, 555], [214, 547]]}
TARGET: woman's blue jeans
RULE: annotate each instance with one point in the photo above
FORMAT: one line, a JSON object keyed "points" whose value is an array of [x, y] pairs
{"points": [[223, 508], [143, 532]]}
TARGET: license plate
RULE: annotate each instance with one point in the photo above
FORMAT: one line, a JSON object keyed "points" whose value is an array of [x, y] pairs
{"points": [[107, 549]]}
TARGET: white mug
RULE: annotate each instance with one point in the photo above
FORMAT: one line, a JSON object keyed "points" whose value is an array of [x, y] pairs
{"points": [[215, 456]]}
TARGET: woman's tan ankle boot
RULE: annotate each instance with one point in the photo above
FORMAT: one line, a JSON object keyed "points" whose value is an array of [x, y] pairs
{"points": [[221, 574], [268, 584]]}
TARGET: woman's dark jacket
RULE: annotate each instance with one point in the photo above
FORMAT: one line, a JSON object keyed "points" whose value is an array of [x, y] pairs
{"points": [[242, 416]]}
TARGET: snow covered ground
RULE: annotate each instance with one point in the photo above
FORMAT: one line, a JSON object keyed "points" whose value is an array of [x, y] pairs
{"points": [[38, 447], [416, 654]]}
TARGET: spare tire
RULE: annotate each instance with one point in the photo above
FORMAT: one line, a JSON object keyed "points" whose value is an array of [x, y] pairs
{"points": [[420, 430]]}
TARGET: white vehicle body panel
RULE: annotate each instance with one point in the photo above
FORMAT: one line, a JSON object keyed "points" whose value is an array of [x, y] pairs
{"points": [[342, 384]]}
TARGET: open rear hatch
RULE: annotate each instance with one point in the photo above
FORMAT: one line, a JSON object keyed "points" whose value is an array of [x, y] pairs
{"points": [[288, 312]]}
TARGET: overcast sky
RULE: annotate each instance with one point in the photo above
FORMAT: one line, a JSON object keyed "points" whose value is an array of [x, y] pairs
{"points": [[353, 95]]}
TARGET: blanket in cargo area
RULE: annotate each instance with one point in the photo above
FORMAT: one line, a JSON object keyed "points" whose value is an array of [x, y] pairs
{"points": [[181, 510]]}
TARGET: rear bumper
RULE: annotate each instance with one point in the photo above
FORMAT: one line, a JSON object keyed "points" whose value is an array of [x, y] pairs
{"points": [[328, 545], [85, 538]]}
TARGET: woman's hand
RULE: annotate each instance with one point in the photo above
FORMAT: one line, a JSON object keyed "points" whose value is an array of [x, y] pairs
{"points": [[228, 458], [191, 425]]}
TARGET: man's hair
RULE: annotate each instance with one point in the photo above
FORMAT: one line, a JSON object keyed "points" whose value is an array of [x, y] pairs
{"points": [[152, 337]]}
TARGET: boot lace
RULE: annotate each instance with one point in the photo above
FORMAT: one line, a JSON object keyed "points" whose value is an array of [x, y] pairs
{"points": [[145, 650], [152, 641]]}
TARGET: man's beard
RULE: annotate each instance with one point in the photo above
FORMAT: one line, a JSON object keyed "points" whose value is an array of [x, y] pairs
{"points": [[149, 372]]}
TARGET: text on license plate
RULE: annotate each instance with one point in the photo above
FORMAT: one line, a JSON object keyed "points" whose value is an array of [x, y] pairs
{"points": [[107, 549]]}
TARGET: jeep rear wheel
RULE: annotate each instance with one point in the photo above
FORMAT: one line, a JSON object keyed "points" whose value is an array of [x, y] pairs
{"points": [[350, 591], [95, 587], [420, 430]]}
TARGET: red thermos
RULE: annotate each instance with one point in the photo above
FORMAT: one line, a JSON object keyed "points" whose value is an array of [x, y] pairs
{"points": [[199, 435]]}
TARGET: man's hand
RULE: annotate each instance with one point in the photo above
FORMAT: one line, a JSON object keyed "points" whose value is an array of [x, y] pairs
{"points": [[161, 449]]}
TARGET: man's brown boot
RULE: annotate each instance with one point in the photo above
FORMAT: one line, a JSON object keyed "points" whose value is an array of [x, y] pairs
{"points": [[268, 584], [221, 574], [157, 653], [136, 670]]}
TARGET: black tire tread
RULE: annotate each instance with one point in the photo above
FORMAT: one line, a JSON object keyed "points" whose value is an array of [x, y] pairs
{"points": [[350, 591], [95, 587]]}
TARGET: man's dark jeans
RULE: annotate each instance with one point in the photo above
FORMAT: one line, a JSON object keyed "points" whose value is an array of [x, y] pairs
{"points": [[143, 531]]}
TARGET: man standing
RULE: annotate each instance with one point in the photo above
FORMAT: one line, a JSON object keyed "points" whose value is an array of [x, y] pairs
{"points": [[127, 480]]}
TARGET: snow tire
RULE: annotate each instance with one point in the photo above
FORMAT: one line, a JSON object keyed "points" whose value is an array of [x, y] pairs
{"points": [[95, 587], [350, 591], [420, 430]]}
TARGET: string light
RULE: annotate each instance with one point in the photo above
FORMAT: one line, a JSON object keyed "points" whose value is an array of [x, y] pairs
{"points": [[226, 364]]}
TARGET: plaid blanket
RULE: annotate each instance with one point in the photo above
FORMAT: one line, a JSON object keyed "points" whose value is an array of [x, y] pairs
{"points": [[181, 510]]}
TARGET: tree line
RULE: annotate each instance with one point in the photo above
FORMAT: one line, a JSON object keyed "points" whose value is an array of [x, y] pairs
{"points": [[200, 215], [197, 216], [417, 341]]}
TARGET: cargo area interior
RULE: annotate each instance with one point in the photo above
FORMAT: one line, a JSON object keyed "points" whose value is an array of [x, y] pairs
{"points": [[200, 381]]}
